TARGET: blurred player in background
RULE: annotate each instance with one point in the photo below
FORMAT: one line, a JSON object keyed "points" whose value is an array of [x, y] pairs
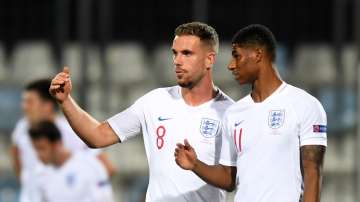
{"points": [[71, 176], [193, 109], [39, 105], [274, 138]]}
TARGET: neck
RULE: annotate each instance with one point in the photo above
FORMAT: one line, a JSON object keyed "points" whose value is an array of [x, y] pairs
{"points": [[50, 117], [61, 156], [200, 93], [266, 83]]}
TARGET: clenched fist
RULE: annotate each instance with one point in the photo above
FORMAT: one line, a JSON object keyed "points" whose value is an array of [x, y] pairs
{"points": [[60, 87]]}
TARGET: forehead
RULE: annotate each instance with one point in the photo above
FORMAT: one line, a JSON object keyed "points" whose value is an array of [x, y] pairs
{"points": [[41, 142], [236, 48], [31, 94], [186, 41]]}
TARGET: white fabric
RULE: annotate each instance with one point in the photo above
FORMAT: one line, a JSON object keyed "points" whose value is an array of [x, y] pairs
{"points": [[28, 157], [82, 178], [265, 147], [165, 119]]}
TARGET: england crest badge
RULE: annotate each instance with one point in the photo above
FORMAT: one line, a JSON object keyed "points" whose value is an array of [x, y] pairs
{"points": [[209, 127], [276, 118]]}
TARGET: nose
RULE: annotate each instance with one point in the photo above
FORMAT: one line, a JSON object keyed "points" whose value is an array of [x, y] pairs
{"points": [[231, 65], [177, 60]]}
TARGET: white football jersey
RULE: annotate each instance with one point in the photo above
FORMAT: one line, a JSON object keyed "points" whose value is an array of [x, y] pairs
{"points": [[263, 141], [30, 164], [164, 119], [82, 178]]}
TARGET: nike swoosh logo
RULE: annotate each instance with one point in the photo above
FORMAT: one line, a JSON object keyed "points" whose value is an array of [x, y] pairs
{"points": [[238, 123], [163, 119]]}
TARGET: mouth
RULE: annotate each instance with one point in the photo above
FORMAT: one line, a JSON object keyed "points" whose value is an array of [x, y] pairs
{"points": [[236, 75], [179, 71]]}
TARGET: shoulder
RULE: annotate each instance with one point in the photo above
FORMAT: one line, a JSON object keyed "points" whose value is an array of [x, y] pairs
{"points": [[21, 124], [20, 129], [160, 94], [301, 99], [64, 127], [224, 99], [304, 104], [165, 91], [91, 164], [62, 123], [240, 105]]}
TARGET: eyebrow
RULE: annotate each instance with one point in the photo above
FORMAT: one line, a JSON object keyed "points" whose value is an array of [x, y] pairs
{"points": [[184, 51]]}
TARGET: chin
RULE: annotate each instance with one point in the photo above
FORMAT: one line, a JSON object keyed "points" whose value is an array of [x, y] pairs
{"points": [[45, 162], [184, 84], [242, 82]]}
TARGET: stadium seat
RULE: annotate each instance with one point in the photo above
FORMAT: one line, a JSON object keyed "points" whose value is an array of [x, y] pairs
{"points": [[72, 58], [346, 118], [3, 68], [281, 61], [9, 187], [340, 154], [349, 62], [163, 65], [221, 74], [102, 107], [132, 160], [10, 109], [127, 64], [136, 92], [32, 60], [314, 65]]}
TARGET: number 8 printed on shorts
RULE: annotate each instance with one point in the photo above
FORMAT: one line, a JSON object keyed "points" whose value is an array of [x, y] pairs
{"points": [[160, 133]]}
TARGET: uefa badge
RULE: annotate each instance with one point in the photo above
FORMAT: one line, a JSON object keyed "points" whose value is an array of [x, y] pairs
{"points": [[276, 118], [209, 127]]}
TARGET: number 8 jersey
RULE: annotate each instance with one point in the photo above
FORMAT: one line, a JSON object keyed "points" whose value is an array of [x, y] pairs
{"points": [[164, 119]]}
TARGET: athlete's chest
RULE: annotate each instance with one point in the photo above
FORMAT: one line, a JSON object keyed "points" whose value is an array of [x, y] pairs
{"points": [[67, 185], [170, 124], [265, 127]]}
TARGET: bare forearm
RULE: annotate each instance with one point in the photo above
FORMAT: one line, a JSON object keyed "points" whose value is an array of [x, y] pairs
{"points": [[81, 122], [312, 157], [217, 175], [312, 185], [91, 131]]}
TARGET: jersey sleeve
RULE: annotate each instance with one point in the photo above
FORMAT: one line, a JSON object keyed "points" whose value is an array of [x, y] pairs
{"points": [[17, 132], [313, 124], [100, 188], [127, 124], [228, 155]]}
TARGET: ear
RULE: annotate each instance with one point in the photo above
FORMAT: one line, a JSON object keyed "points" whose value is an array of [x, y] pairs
{"points": [[210, 60], [259, 54], [57, 144], [49, 107]]}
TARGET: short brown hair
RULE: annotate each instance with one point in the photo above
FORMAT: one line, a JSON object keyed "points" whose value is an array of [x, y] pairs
{"points": [[205, 32]]}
